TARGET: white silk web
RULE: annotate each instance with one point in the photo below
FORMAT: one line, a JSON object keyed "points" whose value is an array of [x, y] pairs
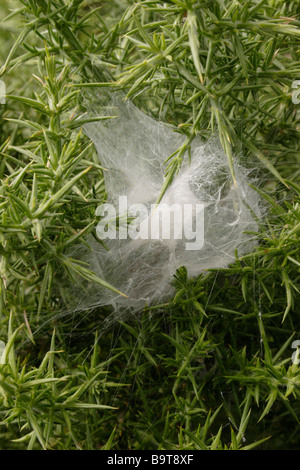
{"points": [[133, 148]]}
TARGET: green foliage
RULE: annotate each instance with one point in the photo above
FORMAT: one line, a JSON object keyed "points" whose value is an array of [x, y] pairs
{"points": [[49, 400], [211, 369]]}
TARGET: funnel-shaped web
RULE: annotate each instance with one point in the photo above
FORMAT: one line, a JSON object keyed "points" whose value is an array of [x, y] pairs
{"points": [[133, 148]]}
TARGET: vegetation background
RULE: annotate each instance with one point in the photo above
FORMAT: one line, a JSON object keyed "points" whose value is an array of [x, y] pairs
{"points": [[211, 369]]}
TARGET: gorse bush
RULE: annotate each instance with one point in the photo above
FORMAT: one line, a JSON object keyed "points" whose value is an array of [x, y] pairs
{"points": [[211, 368]]}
